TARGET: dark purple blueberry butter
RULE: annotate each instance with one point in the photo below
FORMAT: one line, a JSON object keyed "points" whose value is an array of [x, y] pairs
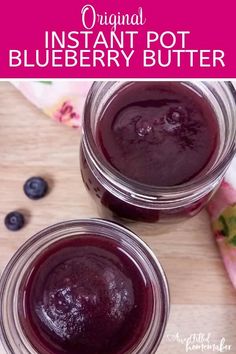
{"points": [[85, 296]]}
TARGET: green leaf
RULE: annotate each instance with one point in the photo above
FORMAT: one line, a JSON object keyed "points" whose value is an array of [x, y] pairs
{"points": [[232, 241], [232, 220], [225, 230], [46, 82]]}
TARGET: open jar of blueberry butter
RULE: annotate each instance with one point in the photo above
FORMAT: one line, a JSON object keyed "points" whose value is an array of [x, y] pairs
{"points": [[83, 287], [157, 150]]}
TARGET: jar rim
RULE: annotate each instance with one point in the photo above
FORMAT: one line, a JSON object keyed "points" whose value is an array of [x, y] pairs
{"points": [[143, 191], [28, 252]]}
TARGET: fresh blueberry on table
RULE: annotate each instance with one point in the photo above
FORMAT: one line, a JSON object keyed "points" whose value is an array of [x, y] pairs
{"points": [[35, 188], [14, 221]]}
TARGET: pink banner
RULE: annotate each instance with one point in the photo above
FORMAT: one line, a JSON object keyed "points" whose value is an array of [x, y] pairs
{"points": [[110, 39]]}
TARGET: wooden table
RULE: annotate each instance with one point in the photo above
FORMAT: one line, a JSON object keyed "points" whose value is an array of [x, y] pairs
{"points": [[203, 300]]}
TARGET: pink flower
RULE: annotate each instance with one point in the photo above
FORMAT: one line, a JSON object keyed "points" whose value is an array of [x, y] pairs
{"points": [[66, 114], [224, 196]]}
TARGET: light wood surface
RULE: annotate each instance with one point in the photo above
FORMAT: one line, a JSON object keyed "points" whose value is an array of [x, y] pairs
{"points": [[203, 299]]}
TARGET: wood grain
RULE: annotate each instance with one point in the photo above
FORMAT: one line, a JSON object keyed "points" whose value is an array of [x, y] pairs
{"points": [[203, 299]]}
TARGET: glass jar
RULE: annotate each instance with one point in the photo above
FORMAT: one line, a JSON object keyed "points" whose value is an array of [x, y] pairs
{"points": [[132, 200], [13, 321]]}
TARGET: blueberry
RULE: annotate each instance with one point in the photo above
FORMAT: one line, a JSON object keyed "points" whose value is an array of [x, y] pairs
{"points": [[35, 188], [14, 221]]}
